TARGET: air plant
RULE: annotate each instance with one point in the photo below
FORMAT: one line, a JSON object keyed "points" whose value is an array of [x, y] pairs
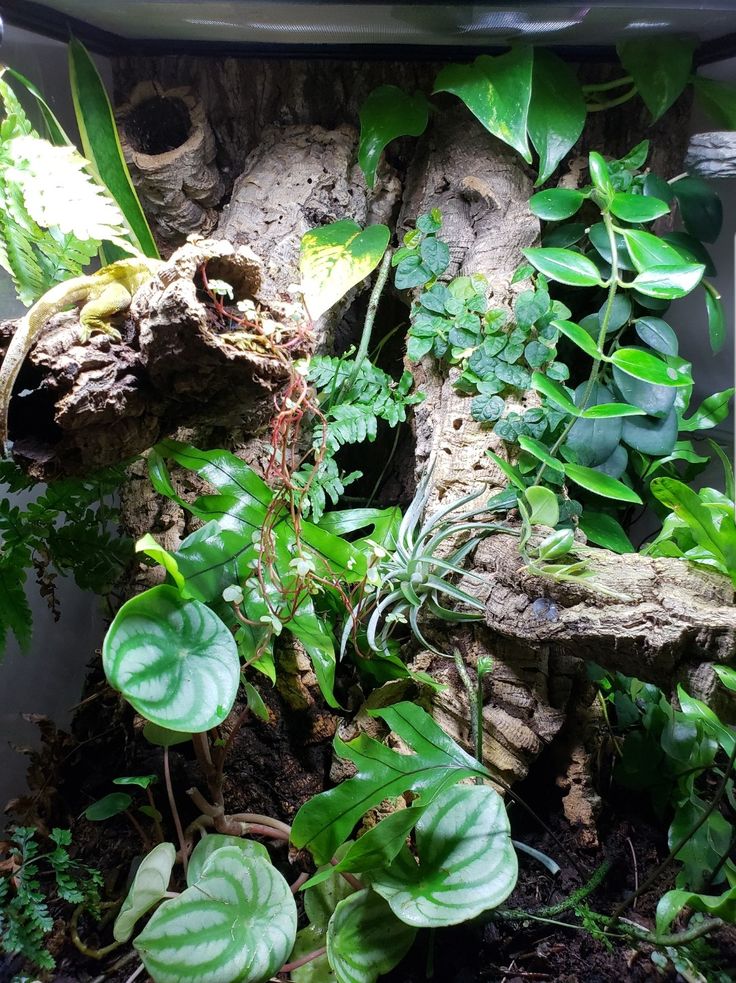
{"points": [[413, 579]]}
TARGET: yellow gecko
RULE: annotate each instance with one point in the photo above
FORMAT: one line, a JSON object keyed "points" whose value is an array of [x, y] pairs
{"points": [[100, 295]]}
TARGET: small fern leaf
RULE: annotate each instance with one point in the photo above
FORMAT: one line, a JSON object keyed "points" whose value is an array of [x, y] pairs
{"points": [[58, 191], [15, 612]]}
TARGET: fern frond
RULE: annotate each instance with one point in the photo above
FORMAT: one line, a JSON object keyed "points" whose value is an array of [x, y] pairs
{"points": [[59, 191]]}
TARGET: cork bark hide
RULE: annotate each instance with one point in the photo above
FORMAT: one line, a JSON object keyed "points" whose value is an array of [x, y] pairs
{"points": [[79, 407]]}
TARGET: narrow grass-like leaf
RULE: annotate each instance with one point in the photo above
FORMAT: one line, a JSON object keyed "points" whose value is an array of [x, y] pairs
{"points": [[101, 144]]}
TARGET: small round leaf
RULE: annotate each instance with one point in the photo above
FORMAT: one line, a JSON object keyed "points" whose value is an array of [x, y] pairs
{"points": [[237, 923], [174, 661], [108, 806]]}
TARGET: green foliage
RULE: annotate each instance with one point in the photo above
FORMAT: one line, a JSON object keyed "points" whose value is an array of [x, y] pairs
{"points": [[673, 754], [530, 95], [248, 556], [53, 215], [66, 530], [412, 578], [352, 397], [101, 143], [174, 661], [700, 527], [237, 918], [25, 891], [335, 258], [388, 113]]}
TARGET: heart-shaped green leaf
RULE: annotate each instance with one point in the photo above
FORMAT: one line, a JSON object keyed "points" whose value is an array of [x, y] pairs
{"points": [[216, 841], [237, 924], [174, 661], [497, 90], [565, 266], [150, 884], [335, 258], [660, 68], [601, 484], [556, 112], [653, 400], [365, 939], [386, 114], [638, 208], [467, 863]]}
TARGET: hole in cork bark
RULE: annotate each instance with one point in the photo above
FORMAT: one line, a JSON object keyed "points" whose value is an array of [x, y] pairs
{"points": [[456, 424], [158, 125]]}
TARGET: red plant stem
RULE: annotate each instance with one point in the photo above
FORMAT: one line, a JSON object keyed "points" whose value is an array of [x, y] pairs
{"points": [[303, 960], [301, 879], [175, 812]]}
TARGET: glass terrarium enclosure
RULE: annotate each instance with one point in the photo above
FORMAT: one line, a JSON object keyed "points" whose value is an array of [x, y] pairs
{"points": [[373, 28]]}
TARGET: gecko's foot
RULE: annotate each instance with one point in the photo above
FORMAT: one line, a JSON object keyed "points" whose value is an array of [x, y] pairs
{"points": [[86, 332]]}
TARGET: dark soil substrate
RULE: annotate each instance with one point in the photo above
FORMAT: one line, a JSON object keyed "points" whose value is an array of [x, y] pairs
{"points": [[273, 768]]}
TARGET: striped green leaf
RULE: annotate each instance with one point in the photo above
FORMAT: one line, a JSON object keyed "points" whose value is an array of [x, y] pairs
{"points": [[335, 258], [467, 863], [173, 660], [150, 884], [365, 939], [101, 144], [237, 924], [216, 841]]}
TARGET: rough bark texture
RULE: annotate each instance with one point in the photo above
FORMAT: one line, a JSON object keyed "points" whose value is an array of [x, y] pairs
{"points": [[91, 405], [712, 155], [296, 179], [281, 131], [179, 183], [671, 621]]}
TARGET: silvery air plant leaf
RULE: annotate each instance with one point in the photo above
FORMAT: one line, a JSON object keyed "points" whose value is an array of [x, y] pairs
{"points": [[237, 924], [173, 660], [365, 939], [467, 863], [150, 884]]}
